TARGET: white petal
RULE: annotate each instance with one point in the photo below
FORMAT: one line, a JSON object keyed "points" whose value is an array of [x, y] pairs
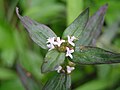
{"points": [[50, 40], [72, 50], [62, 40], [73, 38], [58, 39], [58, 42], [50, 46], [59, 68], [70, 40], [72, 43], [67, 49], [69, 69], [68, 53]]}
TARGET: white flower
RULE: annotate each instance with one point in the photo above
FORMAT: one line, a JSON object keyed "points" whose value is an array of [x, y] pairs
{"points": [[71, 39], [69, 69], [59, 68], [50, 46], [51, 40], [58, 42], [69, 51]]}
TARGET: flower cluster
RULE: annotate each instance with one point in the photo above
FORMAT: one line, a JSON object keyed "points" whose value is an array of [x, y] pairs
{"points": [[53, 41], [66, 46], [68, 69]]}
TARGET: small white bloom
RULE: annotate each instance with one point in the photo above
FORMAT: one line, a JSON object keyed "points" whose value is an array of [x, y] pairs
{"points": [[51, 40], [71, 39], [59, 68], [69, 69], [69, 51], [50, 46], [58, 42]]}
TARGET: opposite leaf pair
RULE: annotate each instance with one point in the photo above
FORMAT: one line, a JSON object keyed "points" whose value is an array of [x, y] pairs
{"points": [[84, 29], [42, 34]]}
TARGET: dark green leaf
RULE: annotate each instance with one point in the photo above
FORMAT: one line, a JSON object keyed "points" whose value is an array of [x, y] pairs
{"points": [[93, 28], [28, 82], [59, 82], [78, 25], [52, 59], [94, 55], [38, 32]]}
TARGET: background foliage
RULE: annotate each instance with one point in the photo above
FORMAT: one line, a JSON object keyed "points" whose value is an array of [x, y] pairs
{"points": [[21, 59]]}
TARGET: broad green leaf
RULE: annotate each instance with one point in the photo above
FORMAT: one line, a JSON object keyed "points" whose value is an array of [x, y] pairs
{"points": [[38, 32], [59, 82], [6, 74], [78, 25], [28, 82], [52, 59], [93, 28], [94, 55]]}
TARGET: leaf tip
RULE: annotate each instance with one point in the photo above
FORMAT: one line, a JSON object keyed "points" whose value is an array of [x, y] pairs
{"points": [[87, 10], [17, 12], [104, 8]]}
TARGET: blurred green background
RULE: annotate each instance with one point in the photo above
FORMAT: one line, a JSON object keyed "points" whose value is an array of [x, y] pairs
{"points": [[21, 58]]}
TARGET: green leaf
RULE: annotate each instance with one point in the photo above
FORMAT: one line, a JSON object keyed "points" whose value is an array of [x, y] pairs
{"points": [[52, 59], [28, 82], [38, 32], [59, 82], [93, 28], [78, 25], [94, 55]]}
